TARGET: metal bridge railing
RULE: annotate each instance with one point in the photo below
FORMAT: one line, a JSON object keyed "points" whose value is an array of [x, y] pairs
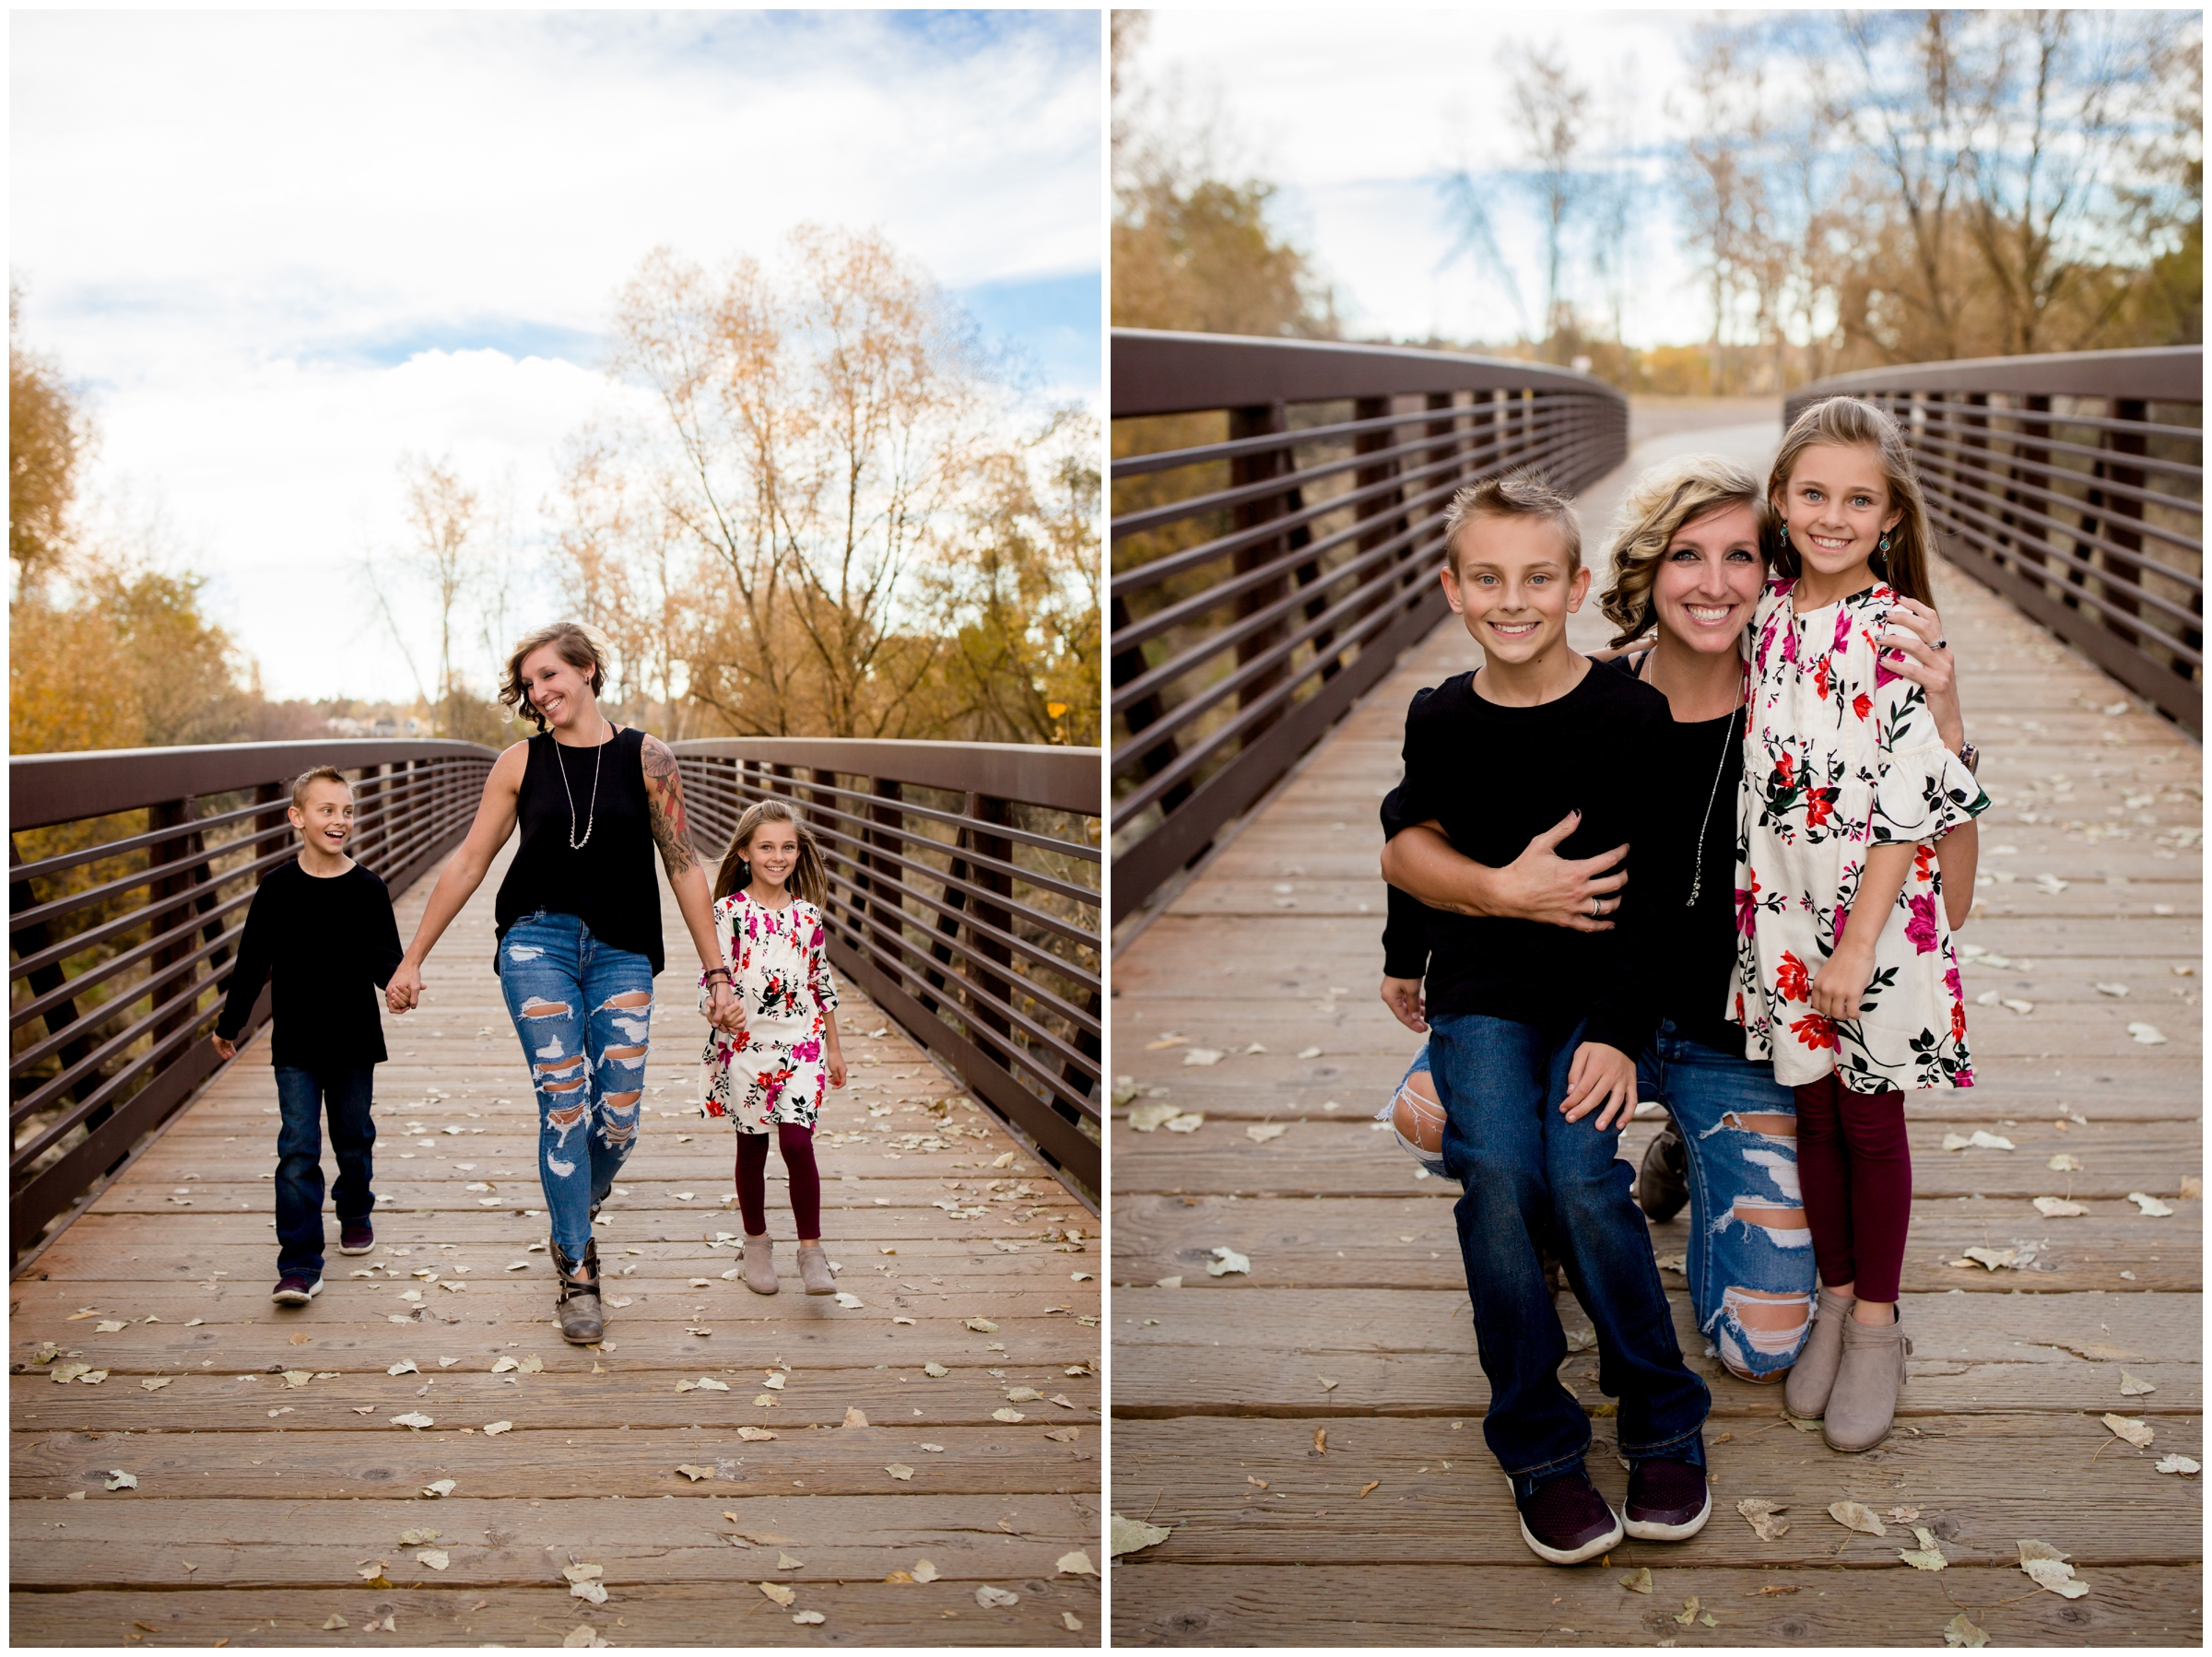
{"points": [[1276, 541], [964, 901], [2073, 486], [130, 871]]}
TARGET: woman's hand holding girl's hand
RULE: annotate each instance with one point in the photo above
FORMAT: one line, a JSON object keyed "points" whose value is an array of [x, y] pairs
{"points": [[837, 1066], [725, 1011], [1916, 634], [1838, 986], [1600, 1075]]}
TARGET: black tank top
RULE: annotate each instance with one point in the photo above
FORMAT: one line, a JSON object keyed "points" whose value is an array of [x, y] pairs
{"points": [[607, 883]]}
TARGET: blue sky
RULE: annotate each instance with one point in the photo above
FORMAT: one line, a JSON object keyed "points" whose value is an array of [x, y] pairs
{"points": [[279, 248]]}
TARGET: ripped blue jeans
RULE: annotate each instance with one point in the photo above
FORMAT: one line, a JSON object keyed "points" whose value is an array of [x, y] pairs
{"points": [[1751, 1256], [583, 1010]]}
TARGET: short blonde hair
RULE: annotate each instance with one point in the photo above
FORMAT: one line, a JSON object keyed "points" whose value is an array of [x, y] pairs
{"points": [[1515, 495], [321, 773], [1667, 496], [581, 647]]}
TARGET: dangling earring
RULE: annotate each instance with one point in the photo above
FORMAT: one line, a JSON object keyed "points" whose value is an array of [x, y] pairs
{"points": [[1883, 552]]}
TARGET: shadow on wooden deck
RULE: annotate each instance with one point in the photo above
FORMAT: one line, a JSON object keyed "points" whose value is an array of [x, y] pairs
{"points": [[1354, 1317], [278, 1503]]}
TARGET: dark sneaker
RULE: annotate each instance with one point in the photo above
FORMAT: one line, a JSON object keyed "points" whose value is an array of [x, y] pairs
{"points": [[1667, 1500], [1565, 1520], [1663, 1182], [295, 1288], [356, 1237]]}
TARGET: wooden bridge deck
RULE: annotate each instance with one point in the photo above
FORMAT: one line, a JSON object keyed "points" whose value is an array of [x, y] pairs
{"points": [[1354, 1319], [273, 1513]]}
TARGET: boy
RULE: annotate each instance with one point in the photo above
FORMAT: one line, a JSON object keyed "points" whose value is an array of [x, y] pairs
{"points": [[322, 927], [1534, 1029]]}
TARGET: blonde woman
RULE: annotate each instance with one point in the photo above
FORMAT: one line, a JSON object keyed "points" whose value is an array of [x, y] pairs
{"points": [[579, 918], [1687, 566]]}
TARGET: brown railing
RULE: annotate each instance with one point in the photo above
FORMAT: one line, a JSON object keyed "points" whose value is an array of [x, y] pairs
{"points": [[1276, 534], [129, 876], [964, 901], [2073, 486]]}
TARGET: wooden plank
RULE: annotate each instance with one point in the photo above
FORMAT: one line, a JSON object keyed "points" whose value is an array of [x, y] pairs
{"points": [[1411, 1352], [1401, 1604], [1982, 1481], [943, 1613], [1348, 1242]]}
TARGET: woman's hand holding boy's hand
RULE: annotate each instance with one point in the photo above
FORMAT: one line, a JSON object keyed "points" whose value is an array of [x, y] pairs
{"points": [[1838, 985], [1600, 1075], [1403, 997], [405, 991]]}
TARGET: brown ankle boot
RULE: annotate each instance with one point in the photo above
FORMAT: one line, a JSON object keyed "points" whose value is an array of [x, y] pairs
{"points": [[583, 1322], [760, 1265], [813, 1269], [1804, 1394], [1863, 1402]]}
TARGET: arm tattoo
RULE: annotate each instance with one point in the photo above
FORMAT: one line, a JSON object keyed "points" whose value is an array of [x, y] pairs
{"points": [[665, 797]]}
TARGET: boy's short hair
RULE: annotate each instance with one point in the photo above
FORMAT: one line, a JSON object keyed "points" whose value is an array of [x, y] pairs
{"points": [[321, 773], [1515, 495]]}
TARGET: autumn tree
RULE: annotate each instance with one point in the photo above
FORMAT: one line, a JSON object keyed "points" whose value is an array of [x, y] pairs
{"points": [[47, 433]]}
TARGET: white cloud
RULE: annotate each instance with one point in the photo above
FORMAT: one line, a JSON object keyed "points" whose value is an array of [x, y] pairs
{"points": [[281, 247]]}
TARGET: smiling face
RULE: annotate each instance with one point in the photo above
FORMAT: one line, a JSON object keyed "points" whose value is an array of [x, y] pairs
{"points": [[559, 690], [324, 815], [1509, 582], [774, 853], [1708, 580], [1836, 508]]}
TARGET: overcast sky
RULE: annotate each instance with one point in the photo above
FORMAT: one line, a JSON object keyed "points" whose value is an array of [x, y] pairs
{"points": [[1359, 115], [276, 249]]}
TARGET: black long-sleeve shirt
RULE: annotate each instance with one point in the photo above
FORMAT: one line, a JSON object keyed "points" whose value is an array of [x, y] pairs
{"points": [[1496, 777], [329, 943]]}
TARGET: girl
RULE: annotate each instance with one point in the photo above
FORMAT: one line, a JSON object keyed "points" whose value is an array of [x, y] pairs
{"points": [[771, 1073], [1845, 972]]}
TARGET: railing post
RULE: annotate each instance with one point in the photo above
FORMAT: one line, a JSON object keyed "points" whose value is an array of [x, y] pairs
{"points": [[886, 886], [169, 909], [1269, 420], [985, 809], [1385, 512], [2120, 509]]}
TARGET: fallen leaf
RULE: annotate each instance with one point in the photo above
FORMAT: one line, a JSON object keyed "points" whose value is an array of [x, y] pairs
{"points": [[155, 1383], [435, 1558], [590, 1592], [1076, 1564], [809, 1618], [854, 1416], [1902, 1515], [120, 1480], [1993, 1259], [110, 1327], [1923, 1558], [1007, 1415], [1174, 1282], [850, 1301], [404, 1367], [1980, 1139], [1856, 1516], [2177, 1464], [989, 1597], [926, 1573], [2056, 1577], [584, 1637], [1128, 1535], [2065, 1162], [1370, 1484], [1145, 1118], [2135, 1432], [2190, 1186], [1190, 1122], [532, 1365], [1321, 1441], [1759, 1514], [2032, 1549], [413, 1419], [1688, 1613], [495, 1428], [1024, 1396], [1225, 1261], [756, 1435], [777, 1592], [983, 1325], [1310, 1052], [1638, 1581], [298, 1378], [694, 1473], [416, 1538], [2132, 1386], [443, 1487], [785, 1562], [1961, 1631], [1203, 1055], [1064, 1435], [2147, 1034], [1326, 1384], [335, 1621], [935, 1371], [2150, 1205], [1071, 1622], [504, 1365], [1262, 1132], [2059, 1208]]}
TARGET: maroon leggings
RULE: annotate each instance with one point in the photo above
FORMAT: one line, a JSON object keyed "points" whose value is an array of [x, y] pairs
{"points": [[797, 1144], [1855, 1169]]}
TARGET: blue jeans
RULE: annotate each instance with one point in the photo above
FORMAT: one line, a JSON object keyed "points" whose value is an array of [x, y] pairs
{"points": [[302, 1097], [1528, 1173], [583, 1010], [1750, 1257]]}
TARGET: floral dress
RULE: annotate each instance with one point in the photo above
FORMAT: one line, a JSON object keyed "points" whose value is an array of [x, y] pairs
{"points": [[1842, 754], [774, 1071]]}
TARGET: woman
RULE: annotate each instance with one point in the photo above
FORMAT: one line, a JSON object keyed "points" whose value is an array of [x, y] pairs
{"points": [[1688, 557], [579, 918]]}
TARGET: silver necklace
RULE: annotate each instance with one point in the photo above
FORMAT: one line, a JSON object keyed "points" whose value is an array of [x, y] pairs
{"points": [[1696, 868], [592, 812]]}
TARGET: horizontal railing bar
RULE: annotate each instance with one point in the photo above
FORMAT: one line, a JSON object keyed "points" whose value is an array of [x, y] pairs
{"points": [[1955, 437], [176, 1002], [2045, 417], [24, 920], [1082, 850], [2012, 557], [1957, 492], [164, 1049], [1169, 460], [2151, 374], [1060, 779], [47, 867], [87, 1025], [94, 976], [153, 910], [852, 850]]}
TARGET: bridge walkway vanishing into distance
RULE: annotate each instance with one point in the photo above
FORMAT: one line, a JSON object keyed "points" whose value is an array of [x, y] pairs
{"points": [[946, 1408], [1353, 1319]]}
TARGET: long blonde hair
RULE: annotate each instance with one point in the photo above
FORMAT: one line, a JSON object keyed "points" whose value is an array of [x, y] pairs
{"points": [[809, 877], [1667, 496], [1851, 423]]}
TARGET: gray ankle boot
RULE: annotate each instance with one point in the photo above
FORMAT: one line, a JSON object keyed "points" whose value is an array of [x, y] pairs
{"points": [[1805, 1393], [578, 1312], [813, 1269], [1864, 1401], [760, 1265]]}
